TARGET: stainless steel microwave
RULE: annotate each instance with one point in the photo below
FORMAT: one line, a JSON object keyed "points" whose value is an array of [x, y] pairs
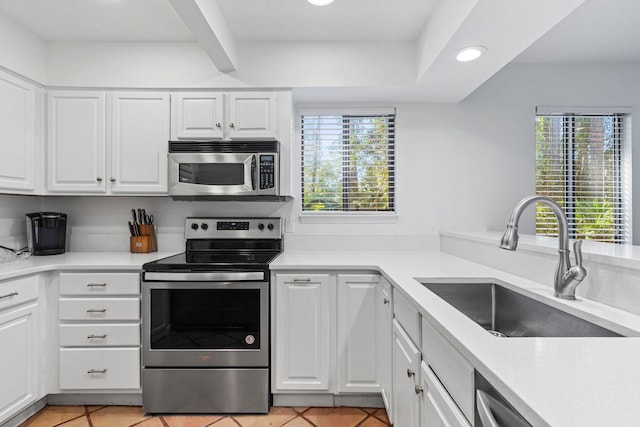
{"points": [[219, 169]]}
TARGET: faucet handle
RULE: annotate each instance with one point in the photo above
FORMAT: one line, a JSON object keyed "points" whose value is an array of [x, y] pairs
{"points": [[577, 252]]}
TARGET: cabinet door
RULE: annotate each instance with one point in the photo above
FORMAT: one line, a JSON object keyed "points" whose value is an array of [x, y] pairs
{"points": [[406, 368], [139, 142], [76, 141], [252, 115], [384, 328], [19, 355], [197, 115], [358, 358], [304, 328], [17, 145], [437, 409]]}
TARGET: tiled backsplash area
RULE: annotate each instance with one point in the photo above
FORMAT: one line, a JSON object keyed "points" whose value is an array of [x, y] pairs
{"points": [[613, 271]]}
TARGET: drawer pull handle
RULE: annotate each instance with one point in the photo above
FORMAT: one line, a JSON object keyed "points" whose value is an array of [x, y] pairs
{"points": [[93, 285], [410, 373], [12, 294], [418, 389], [97, 310], [306, 279], [92, 336], [386, 301], [97, 371]]}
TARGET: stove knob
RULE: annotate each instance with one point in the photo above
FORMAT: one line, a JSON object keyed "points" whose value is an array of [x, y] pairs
{"points": [[194, 226], [270, 227], [261, 226], [204, 226]]}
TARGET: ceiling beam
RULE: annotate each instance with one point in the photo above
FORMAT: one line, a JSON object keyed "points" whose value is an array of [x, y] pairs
{"points": [[505, 27], [205, 19]]}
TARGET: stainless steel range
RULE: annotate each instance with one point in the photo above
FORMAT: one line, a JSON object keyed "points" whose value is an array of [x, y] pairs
{"points": [[205, 326]]}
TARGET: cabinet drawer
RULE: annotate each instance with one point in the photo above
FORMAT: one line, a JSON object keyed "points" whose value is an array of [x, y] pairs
{"points": [[108, 368], [100, 335], [99, 308], [99, 284], [407, 316], [455, 373], [18, 291]]}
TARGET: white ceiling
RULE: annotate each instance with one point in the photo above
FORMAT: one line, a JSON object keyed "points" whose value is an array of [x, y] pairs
{"points": [[597, 31]]}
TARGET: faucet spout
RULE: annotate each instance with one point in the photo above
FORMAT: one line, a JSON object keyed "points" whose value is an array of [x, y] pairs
{"points": [[567, 277]]}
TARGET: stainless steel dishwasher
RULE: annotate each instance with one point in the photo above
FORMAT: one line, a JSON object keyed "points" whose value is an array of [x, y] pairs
{"points": [[493, 410]]}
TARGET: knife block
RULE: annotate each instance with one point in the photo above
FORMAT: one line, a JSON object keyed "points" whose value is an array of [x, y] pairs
{"points": [[146, 242]]}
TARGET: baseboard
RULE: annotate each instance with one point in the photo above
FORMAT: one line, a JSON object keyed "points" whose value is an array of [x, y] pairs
{"points": [[23, 415], [124, 399], [369, 400]]}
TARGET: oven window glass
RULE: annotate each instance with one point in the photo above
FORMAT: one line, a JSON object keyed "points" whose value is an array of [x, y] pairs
{"points": [[212, 173], [205, 319]]}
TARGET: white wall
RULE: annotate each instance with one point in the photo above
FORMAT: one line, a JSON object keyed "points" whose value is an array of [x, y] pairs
{"points": [[12, 219], [21, 51]]}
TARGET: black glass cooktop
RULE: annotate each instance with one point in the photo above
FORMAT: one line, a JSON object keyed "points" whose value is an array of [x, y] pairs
{"points": [[212, 261]]}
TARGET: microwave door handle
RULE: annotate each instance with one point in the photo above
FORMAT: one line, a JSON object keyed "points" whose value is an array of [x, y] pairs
{"points": [[253, 172]]}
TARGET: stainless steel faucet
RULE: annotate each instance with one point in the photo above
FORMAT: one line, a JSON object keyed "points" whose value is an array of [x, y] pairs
{"points": [[567, 277]]}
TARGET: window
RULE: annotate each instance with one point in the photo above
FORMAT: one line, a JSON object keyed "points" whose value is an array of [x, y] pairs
{"points": [[581, 164], [348, 161]]}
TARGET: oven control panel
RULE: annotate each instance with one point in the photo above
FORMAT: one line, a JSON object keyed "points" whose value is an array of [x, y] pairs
{"points": [[233, 228]]}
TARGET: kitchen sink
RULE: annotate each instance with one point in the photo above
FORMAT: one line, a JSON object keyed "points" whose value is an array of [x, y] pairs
{"points": [[506, 313]]}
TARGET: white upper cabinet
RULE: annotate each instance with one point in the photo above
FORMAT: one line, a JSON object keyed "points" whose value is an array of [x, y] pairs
{"points": [[217, 115], [252, 115], [76, 141], [197, 115], [126, 154], [18, 124], [139, 142]]}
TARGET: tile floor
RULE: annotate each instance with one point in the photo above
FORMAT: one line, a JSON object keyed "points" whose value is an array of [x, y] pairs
{"points": [[127, 416]]}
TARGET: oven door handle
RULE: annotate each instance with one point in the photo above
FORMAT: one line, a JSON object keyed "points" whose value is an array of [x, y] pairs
{"points": [[209, 276]]}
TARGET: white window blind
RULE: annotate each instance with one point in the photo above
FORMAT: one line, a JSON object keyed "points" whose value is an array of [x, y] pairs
{"points": [[348, 162], [581, 164]]}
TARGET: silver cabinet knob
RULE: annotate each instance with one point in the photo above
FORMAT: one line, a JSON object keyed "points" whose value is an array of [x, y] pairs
{"points": [[99, 179], [112, 179], [410, 373], [386, 301], [418, 389], [218, 125], [232, 125]]}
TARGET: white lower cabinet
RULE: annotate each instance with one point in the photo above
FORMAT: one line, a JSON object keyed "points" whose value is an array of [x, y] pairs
{"points": [[406, 371], [384, 331], [304, 330], [19, 344], [99, 331], [437, 409], [358, 356], [325, 333]]}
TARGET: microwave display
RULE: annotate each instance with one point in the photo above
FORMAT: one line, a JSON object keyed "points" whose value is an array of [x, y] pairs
{"points": [[212, 173]]}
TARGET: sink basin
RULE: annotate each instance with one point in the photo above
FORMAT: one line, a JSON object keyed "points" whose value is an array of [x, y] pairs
{"points": [[507, 313]]}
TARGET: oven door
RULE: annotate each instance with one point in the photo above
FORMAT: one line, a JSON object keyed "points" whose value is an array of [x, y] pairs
{"points": [[212, 174], [205, 324]]}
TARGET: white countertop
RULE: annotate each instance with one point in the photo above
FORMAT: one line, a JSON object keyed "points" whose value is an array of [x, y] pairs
{"points": [[551, 381], [78, 261]]}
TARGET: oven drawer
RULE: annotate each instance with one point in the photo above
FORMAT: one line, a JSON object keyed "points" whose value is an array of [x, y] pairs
{"points": [[99, 284], [108, 368], [100, 335], [99, 308]]}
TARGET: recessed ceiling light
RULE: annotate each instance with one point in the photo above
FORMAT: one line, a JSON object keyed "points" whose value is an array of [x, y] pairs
{"points": [[320, 2], [470, 53]]}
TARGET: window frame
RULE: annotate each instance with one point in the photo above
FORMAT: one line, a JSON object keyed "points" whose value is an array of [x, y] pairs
{"points": [[622, 230], [343, 215]]}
